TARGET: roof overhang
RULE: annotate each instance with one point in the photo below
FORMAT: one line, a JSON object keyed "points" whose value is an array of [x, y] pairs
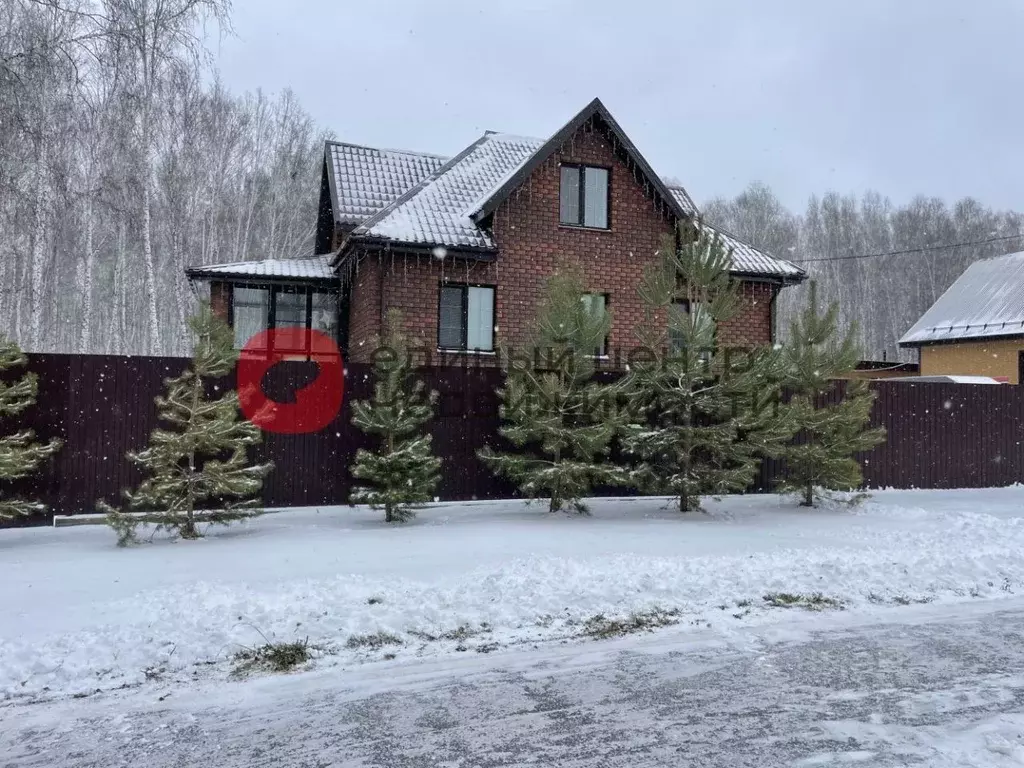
{"points": [[760, 277], [356, 242], [991, 337], [316, 269]]}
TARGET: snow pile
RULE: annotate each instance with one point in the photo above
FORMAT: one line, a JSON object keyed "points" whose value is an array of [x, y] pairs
{"points": [[520, 588]]}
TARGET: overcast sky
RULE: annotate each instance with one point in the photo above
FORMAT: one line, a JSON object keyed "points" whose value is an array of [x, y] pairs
{"points": [[903, 96]]}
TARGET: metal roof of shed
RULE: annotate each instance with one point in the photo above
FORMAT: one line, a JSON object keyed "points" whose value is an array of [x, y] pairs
{"points": [[986, 301]]}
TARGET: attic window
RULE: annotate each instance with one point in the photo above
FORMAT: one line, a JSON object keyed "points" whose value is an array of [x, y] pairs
{"points": [[583, 197]]}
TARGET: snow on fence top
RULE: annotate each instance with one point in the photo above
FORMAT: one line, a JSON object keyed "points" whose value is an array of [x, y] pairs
{"points": [[986, 301]]}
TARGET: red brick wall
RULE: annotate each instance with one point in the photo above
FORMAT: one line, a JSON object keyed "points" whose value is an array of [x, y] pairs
{"points": [[365, 309], [753, 324], [531, 243]]}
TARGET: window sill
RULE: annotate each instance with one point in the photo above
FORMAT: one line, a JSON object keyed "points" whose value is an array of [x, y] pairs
{"points": [[581, 228], [479, 352]]}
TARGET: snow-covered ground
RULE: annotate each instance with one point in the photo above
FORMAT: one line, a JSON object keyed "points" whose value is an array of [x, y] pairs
{"points": [[80, 615], [933, 685]]}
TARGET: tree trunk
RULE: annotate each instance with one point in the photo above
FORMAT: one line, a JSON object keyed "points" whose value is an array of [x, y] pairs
{"points": [[389, 506], [188, 530], [180, 290], [147, 255], [85, 339], [36, 268], [808, 495]]}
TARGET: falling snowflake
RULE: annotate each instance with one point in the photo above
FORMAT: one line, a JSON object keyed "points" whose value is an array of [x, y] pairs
{"points": [[440, 252]]}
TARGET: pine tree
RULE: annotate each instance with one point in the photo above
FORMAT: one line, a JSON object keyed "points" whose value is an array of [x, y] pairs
{"points": [[401, 472], [562, 422], [202, 454], [20, 454], [703, 416], [831, 432]]}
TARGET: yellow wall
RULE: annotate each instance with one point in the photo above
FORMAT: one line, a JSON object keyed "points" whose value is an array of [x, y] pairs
{"points": [[995, 357]]}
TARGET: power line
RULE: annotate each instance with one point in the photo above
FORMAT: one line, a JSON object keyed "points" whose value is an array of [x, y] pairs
{"points": [[913, 250]]}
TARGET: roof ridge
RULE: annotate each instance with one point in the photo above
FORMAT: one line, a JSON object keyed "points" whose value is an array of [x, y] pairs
{"points": [[417, 188], [415, 152], [595, 108]]}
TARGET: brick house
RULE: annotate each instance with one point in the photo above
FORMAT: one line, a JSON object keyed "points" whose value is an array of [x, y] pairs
{"points": [[462, 245]]}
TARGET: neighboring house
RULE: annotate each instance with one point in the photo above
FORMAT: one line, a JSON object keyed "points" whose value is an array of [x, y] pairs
{"points": [[462, 245], [976, 328]]}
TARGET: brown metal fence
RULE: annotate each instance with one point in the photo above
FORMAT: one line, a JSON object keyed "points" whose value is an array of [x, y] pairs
{"points": [[939, 435]]}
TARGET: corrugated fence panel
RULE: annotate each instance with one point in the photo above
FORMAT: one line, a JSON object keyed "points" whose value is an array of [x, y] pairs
{"points": [[939, 435]]}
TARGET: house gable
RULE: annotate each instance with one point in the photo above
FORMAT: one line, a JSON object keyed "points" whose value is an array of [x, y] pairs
{"points": [[596, 118], [533, 243]]}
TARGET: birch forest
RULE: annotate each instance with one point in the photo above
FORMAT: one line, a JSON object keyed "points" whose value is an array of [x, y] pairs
{"points": [[124, 159], [835, 240]]}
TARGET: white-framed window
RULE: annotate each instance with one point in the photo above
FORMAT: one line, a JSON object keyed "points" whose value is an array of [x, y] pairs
{"points": [[466, 317], [583, 196], [597, 303]]}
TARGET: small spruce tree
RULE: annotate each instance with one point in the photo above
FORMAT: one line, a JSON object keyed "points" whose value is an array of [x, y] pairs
{"points": [[562, 421], [401, 472], [831, 431], [201, 456], [20, 454], [702, 416]]}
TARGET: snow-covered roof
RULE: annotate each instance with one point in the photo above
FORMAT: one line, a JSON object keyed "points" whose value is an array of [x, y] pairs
{"points": [[986, 301], [316, 267], [440, 208], [683, 198], [417, 199], [364, 180], [748, 260], [436, 211]]}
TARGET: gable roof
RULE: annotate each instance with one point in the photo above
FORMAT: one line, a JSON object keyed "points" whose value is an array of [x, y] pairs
{"points": [[412, 199], [748, 260], [594, 109], [363, 180], [316, 268], [986, 301]]}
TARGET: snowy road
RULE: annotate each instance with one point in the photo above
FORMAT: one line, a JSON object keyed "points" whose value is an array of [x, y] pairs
{"points": [[943, 686]]}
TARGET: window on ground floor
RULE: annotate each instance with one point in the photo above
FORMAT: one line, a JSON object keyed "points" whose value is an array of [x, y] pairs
{"points": [[466, 318], [683, 311], [259, 308], [597, 303]]}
